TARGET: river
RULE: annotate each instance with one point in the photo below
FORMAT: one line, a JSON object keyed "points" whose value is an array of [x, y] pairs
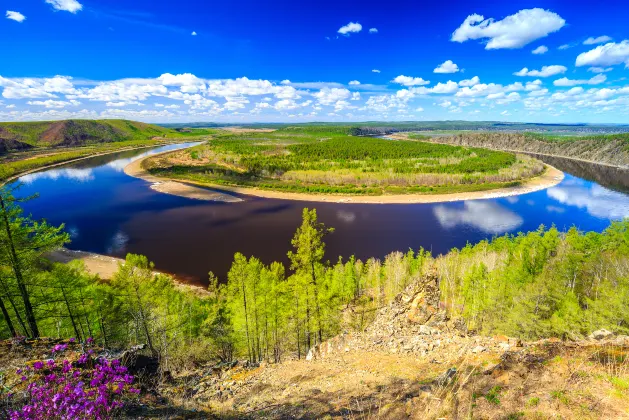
{"points": [[108, 212]]}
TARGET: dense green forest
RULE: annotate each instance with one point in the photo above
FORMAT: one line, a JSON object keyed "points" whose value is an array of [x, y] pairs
{"points": [[544, 283], [327, 159]]}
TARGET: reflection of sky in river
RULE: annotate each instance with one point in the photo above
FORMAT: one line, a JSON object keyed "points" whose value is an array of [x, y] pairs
{"points": [[81, 175], [105, 211], [487, 216], [598, 201]]}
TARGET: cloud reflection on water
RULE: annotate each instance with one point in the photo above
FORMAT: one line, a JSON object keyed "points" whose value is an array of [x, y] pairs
{"points": [[487, 216], [598, 201], [81, 175]]}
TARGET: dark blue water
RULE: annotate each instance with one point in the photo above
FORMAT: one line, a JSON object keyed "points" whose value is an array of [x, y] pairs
{"points": [[108, 212]]}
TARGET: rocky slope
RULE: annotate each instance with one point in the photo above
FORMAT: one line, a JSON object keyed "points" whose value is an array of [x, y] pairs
{"points": [[607, 150], [414, 362]]}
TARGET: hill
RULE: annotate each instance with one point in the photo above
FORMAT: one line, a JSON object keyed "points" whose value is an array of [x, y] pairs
{"points": [[25, 135]]}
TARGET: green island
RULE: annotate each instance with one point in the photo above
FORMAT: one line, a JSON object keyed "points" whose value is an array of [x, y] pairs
{"points": [[329, 160]]}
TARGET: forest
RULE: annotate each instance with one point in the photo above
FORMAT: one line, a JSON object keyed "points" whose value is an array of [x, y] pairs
{"points": [[545, 283], [328, 160]]}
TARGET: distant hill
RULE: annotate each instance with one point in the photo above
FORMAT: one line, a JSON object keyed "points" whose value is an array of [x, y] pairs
{"points": [[25, 135]]}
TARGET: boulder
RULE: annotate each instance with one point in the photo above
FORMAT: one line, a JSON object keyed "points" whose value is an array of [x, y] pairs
{"points": [[601, 334]]}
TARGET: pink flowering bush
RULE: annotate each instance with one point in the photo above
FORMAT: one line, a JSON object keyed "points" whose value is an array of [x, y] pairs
{"points": [[88, 388]]}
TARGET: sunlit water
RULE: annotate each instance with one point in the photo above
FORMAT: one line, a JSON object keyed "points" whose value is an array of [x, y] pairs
{"points": [[108, 212]]}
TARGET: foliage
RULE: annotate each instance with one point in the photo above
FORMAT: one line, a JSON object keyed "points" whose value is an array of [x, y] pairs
{"points": [[318, 159]]}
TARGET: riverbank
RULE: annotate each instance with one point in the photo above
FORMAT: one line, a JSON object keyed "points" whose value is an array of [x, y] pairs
{"points": [[78, 159], [105, 267], [608, 153], [549, 178], [168, 186]]}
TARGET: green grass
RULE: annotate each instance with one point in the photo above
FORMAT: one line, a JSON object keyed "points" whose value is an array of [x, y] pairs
{"points": [[316, 159]]}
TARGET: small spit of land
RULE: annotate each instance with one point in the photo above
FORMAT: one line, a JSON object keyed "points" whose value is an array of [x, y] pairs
{"points": [[313, 163]]}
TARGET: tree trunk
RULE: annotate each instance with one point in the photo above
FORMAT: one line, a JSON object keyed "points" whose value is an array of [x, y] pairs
{"points": [[17, 271], [5, 314]]}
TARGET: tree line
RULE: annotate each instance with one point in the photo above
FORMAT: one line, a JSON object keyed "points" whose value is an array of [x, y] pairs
{"points": [[530, 285]]}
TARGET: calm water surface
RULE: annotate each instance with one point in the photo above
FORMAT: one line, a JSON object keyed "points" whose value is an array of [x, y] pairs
{"points": [[108, 212]]}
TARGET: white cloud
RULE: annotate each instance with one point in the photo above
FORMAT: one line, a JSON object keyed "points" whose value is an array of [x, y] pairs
{"points": [[34, 88], [410, 81], [514, 31], [596, 80], [194, 33], [354, 82], [445, 88], [605, 55], [71, 6], [375, 71], [447, 67], [373, 30], [470, 82], [53, 104], [355, 96], [420, 109], [600, 69], [546, 71], [597, 40], [350, 28], [329, 96], [16, 16], [542, 49]]}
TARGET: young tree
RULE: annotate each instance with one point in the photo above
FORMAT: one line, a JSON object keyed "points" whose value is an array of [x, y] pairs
{"points": [[22, 242], [308, 253]]}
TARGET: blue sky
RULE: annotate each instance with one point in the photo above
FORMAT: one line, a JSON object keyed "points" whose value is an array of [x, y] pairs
{"points": [[246, 61]]}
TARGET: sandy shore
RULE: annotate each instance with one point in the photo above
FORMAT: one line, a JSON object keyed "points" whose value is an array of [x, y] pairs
{"points": [[106, 267], [180, 189], [549, 178]]}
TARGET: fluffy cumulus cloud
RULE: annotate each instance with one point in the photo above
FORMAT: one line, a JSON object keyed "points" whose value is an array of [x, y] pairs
{"points": [[470, 82], [546, 71], [71, 6], [542, 49], [410, 81], [350, 28], [447, 67], [596, 80], [373, 30], [328, 96], [514, 31], [609, 54], [36, 88], [598, 40], [187, 97], [16, 16], [375, 71]]}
